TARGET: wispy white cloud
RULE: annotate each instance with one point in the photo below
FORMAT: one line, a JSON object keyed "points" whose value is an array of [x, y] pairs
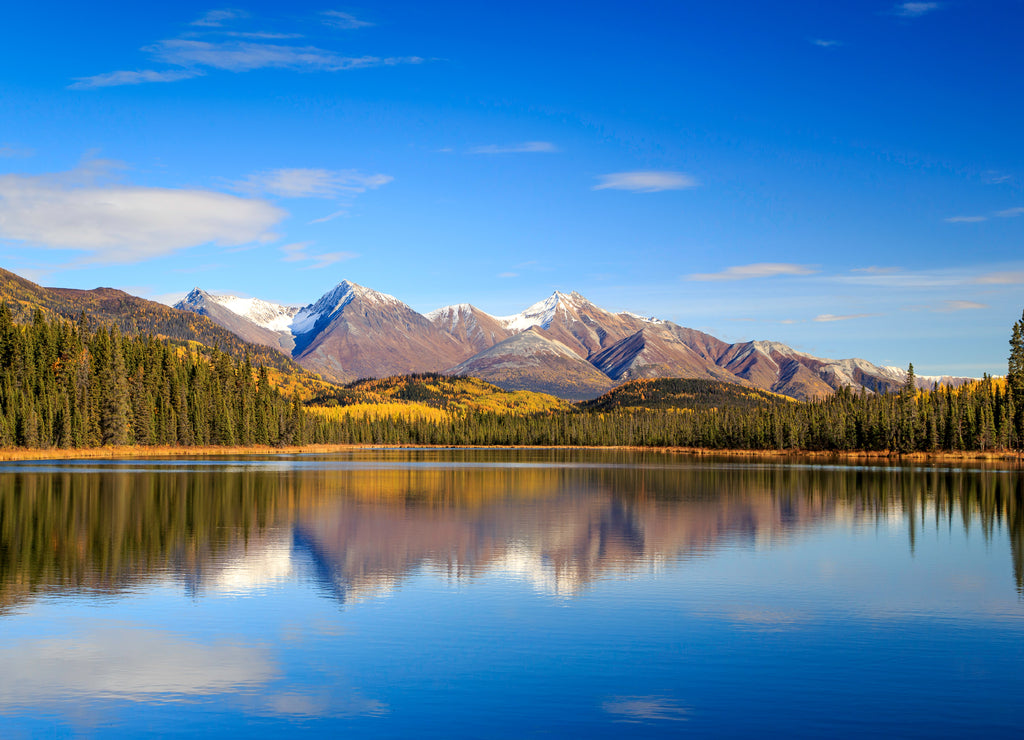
{"points": [[133, 77], [244, 56], [951, 306], [8, 151], [994, 177], [299, 252], [827, 317], [826, 43], [345, 21], [876, 270], [217, 18], [897, 278], [757, 270], [527, 147], [914, 10], [295, 252], [648, 181], [329, 217], [313, 183], [263, 35], [1005, 213], [241, 51], [1010, 212], [1000, 278], [329, 258], [118, 223], [508, 274]]}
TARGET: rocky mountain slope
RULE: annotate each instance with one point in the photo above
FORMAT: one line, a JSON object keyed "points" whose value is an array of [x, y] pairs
{"points": [[531, 361], [354, 332]]}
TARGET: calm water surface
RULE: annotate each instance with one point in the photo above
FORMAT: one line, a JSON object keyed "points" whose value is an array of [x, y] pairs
{"points": [[509, 594]]}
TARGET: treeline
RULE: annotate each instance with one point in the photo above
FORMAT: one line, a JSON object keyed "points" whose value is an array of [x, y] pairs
{"points": [[67, 384], [70, 384], [978, 417]]}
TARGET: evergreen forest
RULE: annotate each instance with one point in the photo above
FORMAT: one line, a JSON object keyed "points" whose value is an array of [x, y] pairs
{"points": [[76, 384]]}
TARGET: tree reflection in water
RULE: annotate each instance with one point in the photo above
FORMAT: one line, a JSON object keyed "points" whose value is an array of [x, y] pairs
{"points": [[363, 523]]}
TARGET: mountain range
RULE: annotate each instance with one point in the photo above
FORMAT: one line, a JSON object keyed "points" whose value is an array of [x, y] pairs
{"points": [[564, 345]]}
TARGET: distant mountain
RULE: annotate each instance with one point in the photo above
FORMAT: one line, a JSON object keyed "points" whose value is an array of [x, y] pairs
{"points": [[470, 326], [530, 361], [251, 319], [656, 352], [353, 332], [577, 323]]}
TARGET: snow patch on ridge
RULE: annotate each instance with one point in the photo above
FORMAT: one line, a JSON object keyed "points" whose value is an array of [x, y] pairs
{"points": [[334, 301], [448, 317], [273, 316], [647, 319]]}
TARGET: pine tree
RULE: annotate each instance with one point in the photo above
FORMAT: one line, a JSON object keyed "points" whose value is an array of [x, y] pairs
{"points": [[1015, 378]]}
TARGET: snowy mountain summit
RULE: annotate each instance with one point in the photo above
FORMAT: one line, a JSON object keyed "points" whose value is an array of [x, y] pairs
{"points": [[563, 343], [272, 316]]}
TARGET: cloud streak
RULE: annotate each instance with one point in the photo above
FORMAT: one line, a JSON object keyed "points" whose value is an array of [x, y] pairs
{"points": [[1000, 278], [8, 151], [757, 270], [299, 252], [217, 18], [828, 317], [246, 56], [133, 77], [1005, 213], [646, 181], [242, 51], [313, 183], [527, 147], [117, 223], [914, 10], [951, 306], [344, 21]]}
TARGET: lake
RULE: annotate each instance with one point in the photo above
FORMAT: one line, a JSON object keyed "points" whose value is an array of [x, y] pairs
{"points": [[509, 593]]}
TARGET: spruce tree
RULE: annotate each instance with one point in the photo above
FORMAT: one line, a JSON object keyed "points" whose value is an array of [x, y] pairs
{"points": [[1015, 378]]}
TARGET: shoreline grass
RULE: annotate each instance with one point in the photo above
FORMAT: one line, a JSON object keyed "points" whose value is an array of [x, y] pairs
{"points": [[1003, 457]]}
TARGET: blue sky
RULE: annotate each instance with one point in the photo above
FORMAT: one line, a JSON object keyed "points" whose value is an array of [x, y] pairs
{"points": [[844, 177]]}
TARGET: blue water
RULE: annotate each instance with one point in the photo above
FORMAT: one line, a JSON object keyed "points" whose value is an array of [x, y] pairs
{"points": [[505, 594]]}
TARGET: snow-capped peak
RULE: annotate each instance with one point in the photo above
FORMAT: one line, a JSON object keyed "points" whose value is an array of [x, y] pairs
{"points": [[543, 312], [273, 316], [448, 317], [448, 311], [335, 300]]}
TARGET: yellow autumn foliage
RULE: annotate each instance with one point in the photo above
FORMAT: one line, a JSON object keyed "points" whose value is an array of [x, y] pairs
{"points": [[398, 410]]}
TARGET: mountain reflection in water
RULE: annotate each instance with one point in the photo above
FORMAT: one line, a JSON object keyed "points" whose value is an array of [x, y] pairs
{"points": [[561, 521]]}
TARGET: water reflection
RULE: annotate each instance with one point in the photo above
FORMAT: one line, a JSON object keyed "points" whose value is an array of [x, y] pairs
{"points": [[125, 661], [528, 592], [360, 526]]}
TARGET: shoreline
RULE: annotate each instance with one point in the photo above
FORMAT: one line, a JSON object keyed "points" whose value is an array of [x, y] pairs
{"points": [[1013, 460]]}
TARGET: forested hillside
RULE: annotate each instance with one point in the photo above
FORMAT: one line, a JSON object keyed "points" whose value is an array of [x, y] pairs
{"points": [[682, 393], [67, 384], [72, 384], [132, 316]]}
